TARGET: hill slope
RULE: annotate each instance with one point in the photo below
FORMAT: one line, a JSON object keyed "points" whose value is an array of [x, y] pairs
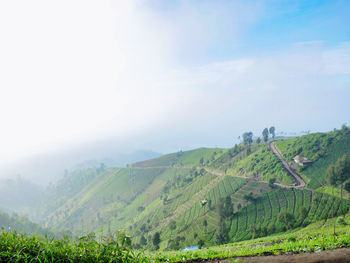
{"points": [[208, 196], [21, 223]]}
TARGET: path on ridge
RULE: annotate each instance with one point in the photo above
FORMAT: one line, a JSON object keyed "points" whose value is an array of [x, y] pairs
{"points": [[300, 183]]}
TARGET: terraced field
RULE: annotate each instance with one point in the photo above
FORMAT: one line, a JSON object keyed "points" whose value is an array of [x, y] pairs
{"points": [[322, 148], [165, 194], [187, 158], [255, 219]]}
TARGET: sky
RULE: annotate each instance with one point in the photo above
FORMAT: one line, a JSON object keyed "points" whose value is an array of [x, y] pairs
{"points": [[168, 75]]}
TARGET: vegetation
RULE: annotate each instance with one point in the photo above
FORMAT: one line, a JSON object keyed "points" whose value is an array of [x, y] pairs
{"points": [[204, 197], [261, 162], [22, 223], [313, 238], [323, 149], [184, 158], [18, 247]]}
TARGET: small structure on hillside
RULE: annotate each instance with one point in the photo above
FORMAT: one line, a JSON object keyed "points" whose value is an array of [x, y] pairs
{"points": [[204, 202], [301, 160]]}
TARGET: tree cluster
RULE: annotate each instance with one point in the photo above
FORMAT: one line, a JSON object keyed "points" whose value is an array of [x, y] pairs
{"points": [[338, 174], [248, 136]]}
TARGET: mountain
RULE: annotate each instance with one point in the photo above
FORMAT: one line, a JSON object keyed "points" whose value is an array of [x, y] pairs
{"points": [[19, 195], [49, 167], [207, 195], [21, 223]]}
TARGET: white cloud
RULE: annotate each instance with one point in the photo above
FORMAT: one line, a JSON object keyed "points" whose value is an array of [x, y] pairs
{"points": [[71, 71]]}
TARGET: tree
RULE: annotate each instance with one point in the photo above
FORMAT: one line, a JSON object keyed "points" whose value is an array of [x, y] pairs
{"points": [[271, 228], [200, 243], [287, 219], [302, 213], [272, 131], [205, 223], [339, 173], [331, 178], [272, 181], [247, 138], [258, 140], [156, 240], [228, 207], [235, 149], [172, 224], [222, 236], [249, 197], [265, 134], [344, 128], [347, 187], [201, 161], [210, 204], [143, 241]]}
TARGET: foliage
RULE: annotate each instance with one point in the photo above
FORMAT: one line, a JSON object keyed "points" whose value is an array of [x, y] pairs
{"points": [[272, 131], [313, 238], [323, 149], [261, 162], [184, 158], [19, 247], [265, 134], [22, 223], [165, 195], [247, 138]]}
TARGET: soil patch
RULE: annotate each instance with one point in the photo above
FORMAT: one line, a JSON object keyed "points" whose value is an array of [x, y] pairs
{"points": [[341, 255]]}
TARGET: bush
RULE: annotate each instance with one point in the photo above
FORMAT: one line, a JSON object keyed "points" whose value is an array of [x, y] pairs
{"points": [[341, 221], [19, 247]]}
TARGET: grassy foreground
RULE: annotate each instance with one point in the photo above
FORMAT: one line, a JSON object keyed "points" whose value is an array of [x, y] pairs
{"points": [[315, 237], [18, 247]]}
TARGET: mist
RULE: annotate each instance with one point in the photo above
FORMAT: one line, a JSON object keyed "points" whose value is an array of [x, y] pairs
{"points": [[102, 79]]}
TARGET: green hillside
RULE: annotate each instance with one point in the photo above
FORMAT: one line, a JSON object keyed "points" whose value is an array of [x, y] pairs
{"points": [[207, 196], [21, 223], [316, 237], [322, 149], [19, 247], [201, 156]]}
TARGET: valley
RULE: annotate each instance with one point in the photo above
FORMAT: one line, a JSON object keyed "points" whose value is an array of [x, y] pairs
{"points": [[205, 197]]}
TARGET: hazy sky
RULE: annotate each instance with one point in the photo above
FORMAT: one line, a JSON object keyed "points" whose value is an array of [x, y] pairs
{"points": [[168, 75]]}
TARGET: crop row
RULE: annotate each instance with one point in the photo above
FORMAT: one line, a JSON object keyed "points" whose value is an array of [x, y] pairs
{"points": [[264, 211]]}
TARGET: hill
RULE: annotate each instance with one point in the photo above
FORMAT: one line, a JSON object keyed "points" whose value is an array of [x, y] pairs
{"points": [[322, 149], [293, 245], [209, 196], [296, 245], [22, 223]]}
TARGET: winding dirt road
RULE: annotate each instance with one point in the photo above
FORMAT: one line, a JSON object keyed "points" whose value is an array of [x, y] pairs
{"points": [[300, 183]]}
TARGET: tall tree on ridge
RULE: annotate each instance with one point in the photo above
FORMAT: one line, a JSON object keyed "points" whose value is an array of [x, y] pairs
{"points": [[272, 131], [247, 138], [265, 134]]}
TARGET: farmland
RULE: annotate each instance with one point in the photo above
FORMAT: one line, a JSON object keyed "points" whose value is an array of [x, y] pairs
{"points": [[204, 196]]}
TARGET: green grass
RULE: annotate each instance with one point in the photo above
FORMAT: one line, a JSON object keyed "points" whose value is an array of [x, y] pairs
{"points": [[322, 148], [146, 197], [21, 222], [333, 191], [185, 158], [260, 162], [20, 247], [315, 237]]}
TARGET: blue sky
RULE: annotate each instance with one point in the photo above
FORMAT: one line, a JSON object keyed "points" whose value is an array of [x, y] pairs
{"points": [[272, 25], [168, 75]]}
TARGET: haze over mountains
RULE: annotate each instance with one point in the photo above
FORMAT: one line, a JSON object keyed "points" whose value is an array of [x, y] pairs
{"points": [[154, 125], [49, 167]]}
